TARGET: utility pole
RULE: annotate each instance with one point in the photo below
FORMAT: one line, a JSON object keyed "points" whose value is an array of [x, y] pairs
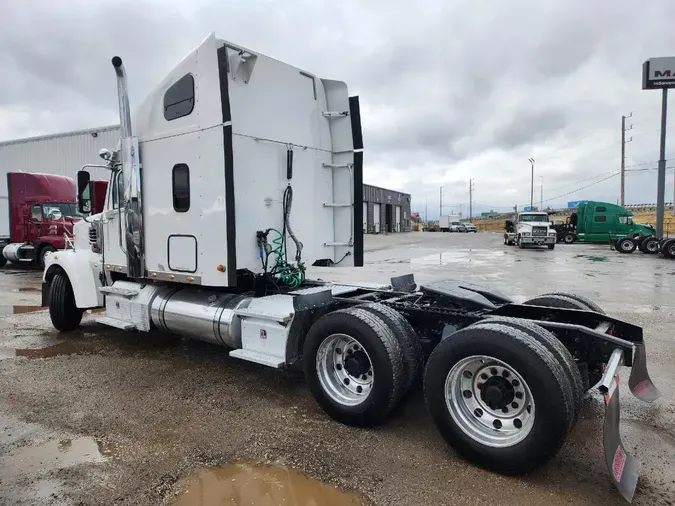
{"points": [[470, 199], [541, 202], [531, 160], [426, 210], [623, 155]]}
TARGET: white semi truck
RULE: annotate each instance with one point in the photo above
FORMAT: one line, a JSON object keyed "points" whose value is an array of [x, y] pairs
{"points": [[530, 229], [238, 172]]}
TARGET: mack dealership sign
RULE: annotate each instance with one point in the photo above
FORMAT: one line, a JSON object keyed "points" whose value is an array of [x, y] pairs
{"points": [[658, 73]]}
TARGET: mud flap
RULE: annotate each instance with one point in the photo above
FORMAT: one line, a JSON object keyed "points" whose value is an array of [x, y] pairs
{"points": [[640, 383], [623, 467], [45, 294]]}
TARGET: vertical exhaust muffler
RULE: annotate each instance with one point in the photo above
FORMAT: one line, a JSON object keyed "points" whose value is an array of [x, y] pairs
{"points": [[133, 202]]}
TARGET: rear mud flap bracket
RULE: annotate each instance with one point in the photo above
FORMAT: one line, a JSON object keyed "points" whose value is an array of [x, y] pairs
{"points": [[622, 466]]}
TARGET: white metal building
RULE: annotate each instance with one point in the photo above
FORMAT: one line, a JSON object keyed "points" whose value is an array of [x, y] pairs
{"points": [[62, 154]]}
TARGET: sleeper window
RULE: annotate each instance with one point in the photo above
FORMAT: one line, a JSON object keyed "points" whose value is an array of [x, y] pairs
{"points": [[181, 187], [179, 99], [600, 219]]}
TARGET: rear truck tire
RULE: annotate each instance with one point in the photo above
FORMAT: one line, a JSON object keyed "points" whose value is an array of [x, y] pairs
{"points": [[557, 348], [520, 243], [642, 243], [3, 260], [42, 254], [582, 302], [551, 246], [668, 248], [341, 349], [568, 239], [65, 315], [413, 359], [626, 245], [515, 373], [650, 246]]}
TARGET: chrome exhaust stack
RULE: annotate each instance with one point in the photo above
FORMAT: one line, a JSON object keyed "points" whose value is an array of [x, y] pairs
{"points": [[133, 202]]}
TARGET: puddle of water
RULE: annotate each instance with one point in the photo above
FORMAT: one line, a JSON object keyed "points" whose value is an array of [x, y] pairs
{"points": [[242, 484], [592, 258], [55, 454], [7, 310]]}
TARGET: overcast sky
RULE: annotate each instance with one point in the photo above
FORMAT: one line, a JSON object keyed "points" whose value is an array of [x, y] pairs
{"points": [[450, 90]]}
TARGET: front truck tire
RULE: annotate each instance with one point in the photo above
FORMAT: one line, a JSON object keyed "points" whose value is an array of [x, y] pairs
{"points": [[3, 260], [63, 311], [499, 397], [551, 246], [354, 366]]}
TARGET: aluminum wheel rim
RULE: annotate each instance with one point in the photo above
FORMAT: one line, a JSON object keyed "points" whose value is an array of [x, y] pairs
{"points": [[476, 416], [652, 246], [337, 375]]}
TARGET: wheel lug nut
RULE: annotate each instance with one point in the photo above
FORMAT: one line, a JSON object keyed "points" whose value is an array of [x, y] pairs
{"points": [[505, 373], [515, 383], [346, 381], [493, 371], [370, 373], [338, 351], [467, 394], [467, 374], [359, 389], [338, 367], [480, 386], [484, 376], [517, 423], [529, 409], [356, 348], [364, 377], [514, 405], [505, 409], [519, 395], [497, 424], [478, 412]]}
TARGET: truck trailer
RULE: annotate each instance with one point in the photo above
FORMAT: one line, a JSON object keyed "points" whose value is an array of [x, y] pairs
{"points": [[249, 171], [40, 210]]}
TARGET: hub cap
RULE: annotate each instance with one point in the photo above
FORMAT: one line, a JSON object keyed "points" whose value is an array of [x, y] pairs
{"points": [[344, 369], [489, 401]]}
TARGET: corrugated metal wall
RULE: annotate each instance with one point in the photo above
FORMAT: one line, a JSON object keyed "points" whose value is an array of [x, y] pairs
{"points": [[62, 154], [373, 195]]}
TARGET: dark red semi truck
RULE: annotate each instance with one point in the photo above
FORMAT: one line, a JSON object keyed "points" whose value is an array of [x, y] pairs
{"points": [[37, 212]]}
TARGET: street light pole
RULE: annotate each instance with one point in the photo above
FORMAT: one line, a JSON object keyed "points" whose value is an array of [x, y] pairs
{"points": [[531, 160]]}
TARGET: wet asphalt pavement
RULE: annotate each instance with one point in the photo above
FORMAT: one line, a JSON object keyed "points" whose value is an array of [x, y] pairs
{"points": [[99, 416]]}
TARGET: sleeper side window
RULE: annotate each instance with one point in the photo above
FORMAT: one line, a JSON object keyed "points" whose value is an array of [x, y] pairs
{"points": [[180, 178], [179, 99], [600, 219]]}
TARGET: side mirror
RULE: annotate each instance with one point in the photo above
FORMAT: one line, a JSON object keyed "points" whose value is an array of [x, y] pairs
{"points": [[83, 193]]}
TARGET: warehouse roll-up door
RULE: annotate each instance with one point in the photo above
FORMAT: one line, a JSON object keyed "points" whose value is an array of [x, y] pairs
{"points": [[398, 219], [376, 218], [365, 217]]}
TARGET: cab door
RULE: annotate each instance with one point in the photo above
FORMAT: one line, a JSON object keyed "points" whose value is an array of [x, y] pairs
{"points": [[115, 259]]}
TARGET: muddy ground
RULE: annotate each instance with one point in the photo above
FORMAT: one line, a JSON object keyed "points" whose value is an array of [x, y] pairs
{"points": [[99, 416]]}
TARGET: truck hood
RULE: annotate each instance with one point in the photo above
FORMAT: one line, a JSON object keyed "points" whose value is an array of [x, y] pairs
{"points": [[531, 224]]}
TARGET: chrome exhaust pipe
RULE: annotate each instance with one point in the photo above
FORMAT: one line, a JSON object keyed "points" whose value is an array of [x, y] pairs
{"points": [[131, 164], [122, 96]]}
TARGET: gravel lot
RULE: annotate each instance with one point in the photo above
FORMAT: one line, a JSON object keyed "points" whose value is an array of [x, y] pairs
{"points": [[99, 416]]}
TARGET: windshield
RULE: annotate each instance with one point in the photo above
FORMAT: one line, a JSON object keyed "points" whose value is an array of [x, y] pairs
{"points": [[533, 217], [56, 211]]}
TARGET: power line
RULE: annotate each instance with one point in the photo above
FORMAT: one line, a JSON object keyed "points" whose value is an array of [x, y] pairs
{"points": [[583, 187]]}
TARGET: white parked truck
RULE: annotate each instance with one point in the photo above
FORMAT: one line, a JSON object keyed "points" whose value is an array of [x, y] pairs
{"points": [[239, 171], [530, 229]]}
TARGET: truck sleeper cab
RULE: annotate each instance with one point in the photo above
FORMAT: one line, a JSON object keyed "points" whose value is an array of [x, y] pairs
{"points": [[249, 171]]}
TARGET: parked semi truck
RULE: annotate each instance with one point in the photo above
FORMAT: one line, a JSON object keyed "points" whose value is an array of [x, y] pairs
{"points": [[40, 209], [214, 240], [530, 229], [601, 222]]}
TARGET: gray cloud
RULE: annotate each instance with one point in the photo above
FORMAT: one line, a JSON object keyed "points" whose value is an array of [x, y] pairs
{"points": [[450, 90]]}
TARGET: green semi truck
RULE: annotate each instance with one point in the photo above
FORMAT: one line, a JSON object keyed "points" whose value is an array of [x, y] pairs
{"points": [[601, 222]]}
